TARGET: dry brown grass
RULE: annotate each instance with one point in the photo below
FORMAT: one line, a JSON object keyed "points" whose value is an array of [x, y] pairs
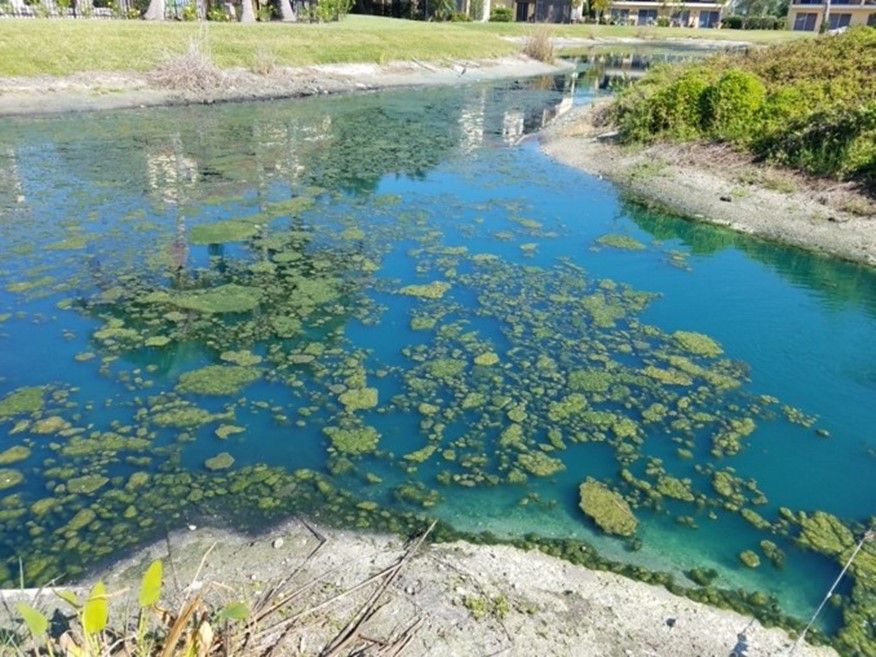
{"points": [[264, 61], [540, 45], [192, 72]]}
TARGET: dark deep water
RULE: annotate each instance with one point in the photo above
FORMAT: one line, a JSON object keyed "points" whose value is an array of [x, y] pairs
{"points": [[394, 293]]}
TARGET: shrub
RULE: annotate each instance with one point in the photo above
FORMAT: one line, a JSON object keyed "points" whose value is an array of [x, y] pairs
{"points": [[540, 46], [840, 144], [799, 104], [679, 107], [501, 15], [663, 21], [729, 105], [732, 22], [459, 17]]}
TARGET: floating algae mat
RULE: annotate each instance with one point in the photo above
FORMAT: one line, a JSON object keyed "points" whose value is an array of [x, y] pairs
{"points": [[378, 309]]}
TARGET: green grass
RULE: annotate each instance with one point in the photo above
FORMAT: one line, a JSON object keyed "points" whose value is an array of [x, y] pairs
{"points": [[39, 47]]}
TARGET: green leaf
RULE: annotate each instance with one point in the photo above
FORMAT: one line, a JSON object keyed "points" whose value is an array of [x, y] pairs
{"points": [[70, 598], [150, 587], [234, 611], [35, 621], [95, 613]]}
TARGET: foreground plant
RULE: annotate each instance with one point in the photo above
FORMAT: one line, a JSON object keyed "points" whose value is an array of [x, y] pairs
{"points": [[194, 629]]}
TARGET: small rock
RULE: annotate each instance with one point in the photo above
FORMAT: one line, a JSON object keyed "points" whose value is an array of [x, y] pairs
{"points": [[837, 220], [726, 198], [670, 622], [192, 528], [253, 577], [277, 544], [410, 590]]}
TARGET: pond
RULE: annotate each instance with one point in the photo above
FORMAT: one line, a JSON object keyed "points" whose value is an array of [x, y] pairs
{"points": [[384, 304]]}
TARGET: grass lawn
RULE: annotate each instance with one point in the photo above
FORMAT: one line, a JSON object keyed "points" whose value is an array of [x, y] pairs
{"points": [[60, 47]]}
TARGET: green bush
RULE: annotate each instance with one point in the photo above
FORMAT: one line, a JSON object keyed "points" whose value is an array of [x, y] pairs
{"points": [[730, 105], [459, 17], [732, 22], [501, 15], [800, 104], [840, 144], [673, 109]]}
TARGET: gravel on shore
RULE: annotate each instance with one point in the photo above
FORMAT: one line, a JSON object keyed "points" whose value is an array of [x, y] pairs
{"points": [[463, 599]]}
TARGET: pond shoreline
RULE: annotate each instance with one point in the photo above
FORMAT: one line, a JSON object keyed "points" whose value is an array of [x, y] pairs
{"points": [[548, 606], [93, 91], [714, 184]]}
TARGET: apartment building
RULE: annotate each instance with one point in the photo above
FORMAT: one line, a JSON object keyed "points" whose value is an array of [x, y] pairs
{"points": [[808, 15], [679, 14]]}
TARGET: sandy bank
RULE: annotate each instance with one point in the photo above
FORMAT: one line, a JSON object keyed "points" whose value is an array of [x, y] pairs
{"points": [[532, 604], [106, 91], [717, 185]]}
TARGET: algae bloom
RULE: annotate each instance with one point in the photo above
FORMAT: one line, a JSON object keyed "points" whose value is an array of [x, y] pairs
{"points": [[608, 509]]}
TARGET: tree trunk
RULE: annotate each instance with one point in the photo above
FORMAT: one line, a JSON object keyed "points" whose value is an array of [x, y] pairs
{"points": [[287, 14], [247, 13], [485, 16], [155, 11]]}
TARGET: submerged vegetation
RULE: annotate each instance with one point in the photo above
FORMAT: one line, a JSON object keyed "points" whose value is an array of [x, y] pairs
{"points": [[804, 104], [374, 377]]}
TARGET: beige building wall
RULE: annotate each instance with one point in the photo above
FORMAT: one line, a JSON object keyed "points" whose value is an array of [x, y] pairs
{"points": [[696, 14]]}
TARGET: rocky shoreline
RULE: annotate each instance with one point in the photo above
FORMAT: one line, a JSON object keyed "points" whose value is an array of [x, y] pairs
{"points": [[463, 599], [714, 184], [124, 90]]}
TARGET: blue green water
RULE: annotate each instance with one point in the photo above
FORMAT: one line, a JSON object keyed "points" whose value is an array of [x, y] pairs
{"points": [[339, 205]]}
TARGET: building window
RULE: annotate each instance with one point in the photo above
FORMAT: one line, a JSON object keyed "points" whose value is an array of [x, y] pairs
{"points": [[805, 22], [837, 21], [681, 18], [709, 18], [871, 20], [647, 17], [620, 16]]}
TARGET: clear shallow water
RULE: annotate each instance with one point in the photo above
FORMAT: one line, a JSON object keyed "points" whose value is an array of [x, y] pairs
{"points": [[338, 205]]}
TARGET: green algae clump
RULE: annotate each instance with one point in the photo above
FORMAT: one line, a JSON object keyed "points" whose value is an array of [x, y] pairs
{"points": [[697, 343], [222, 461], [230, 230], [226, 430], [539, 464], [14, 454], [749, 558], [51, 424], [230, 298], [22, 400], [10, 478], [624, 242], [217, 379], [486, 359], [86, 484], [359, 440], [434, 290], [608, 509], [359, 399]]}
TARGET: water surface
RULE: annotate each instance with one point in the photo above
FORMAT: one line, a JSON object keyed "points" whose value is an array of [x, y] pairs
{"points": [[404, 304]]}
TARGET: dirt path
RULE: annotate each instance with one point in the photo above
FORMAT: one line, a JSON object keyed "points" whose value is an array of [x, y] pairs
{"points": [[106, 91], [716, 185]]}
